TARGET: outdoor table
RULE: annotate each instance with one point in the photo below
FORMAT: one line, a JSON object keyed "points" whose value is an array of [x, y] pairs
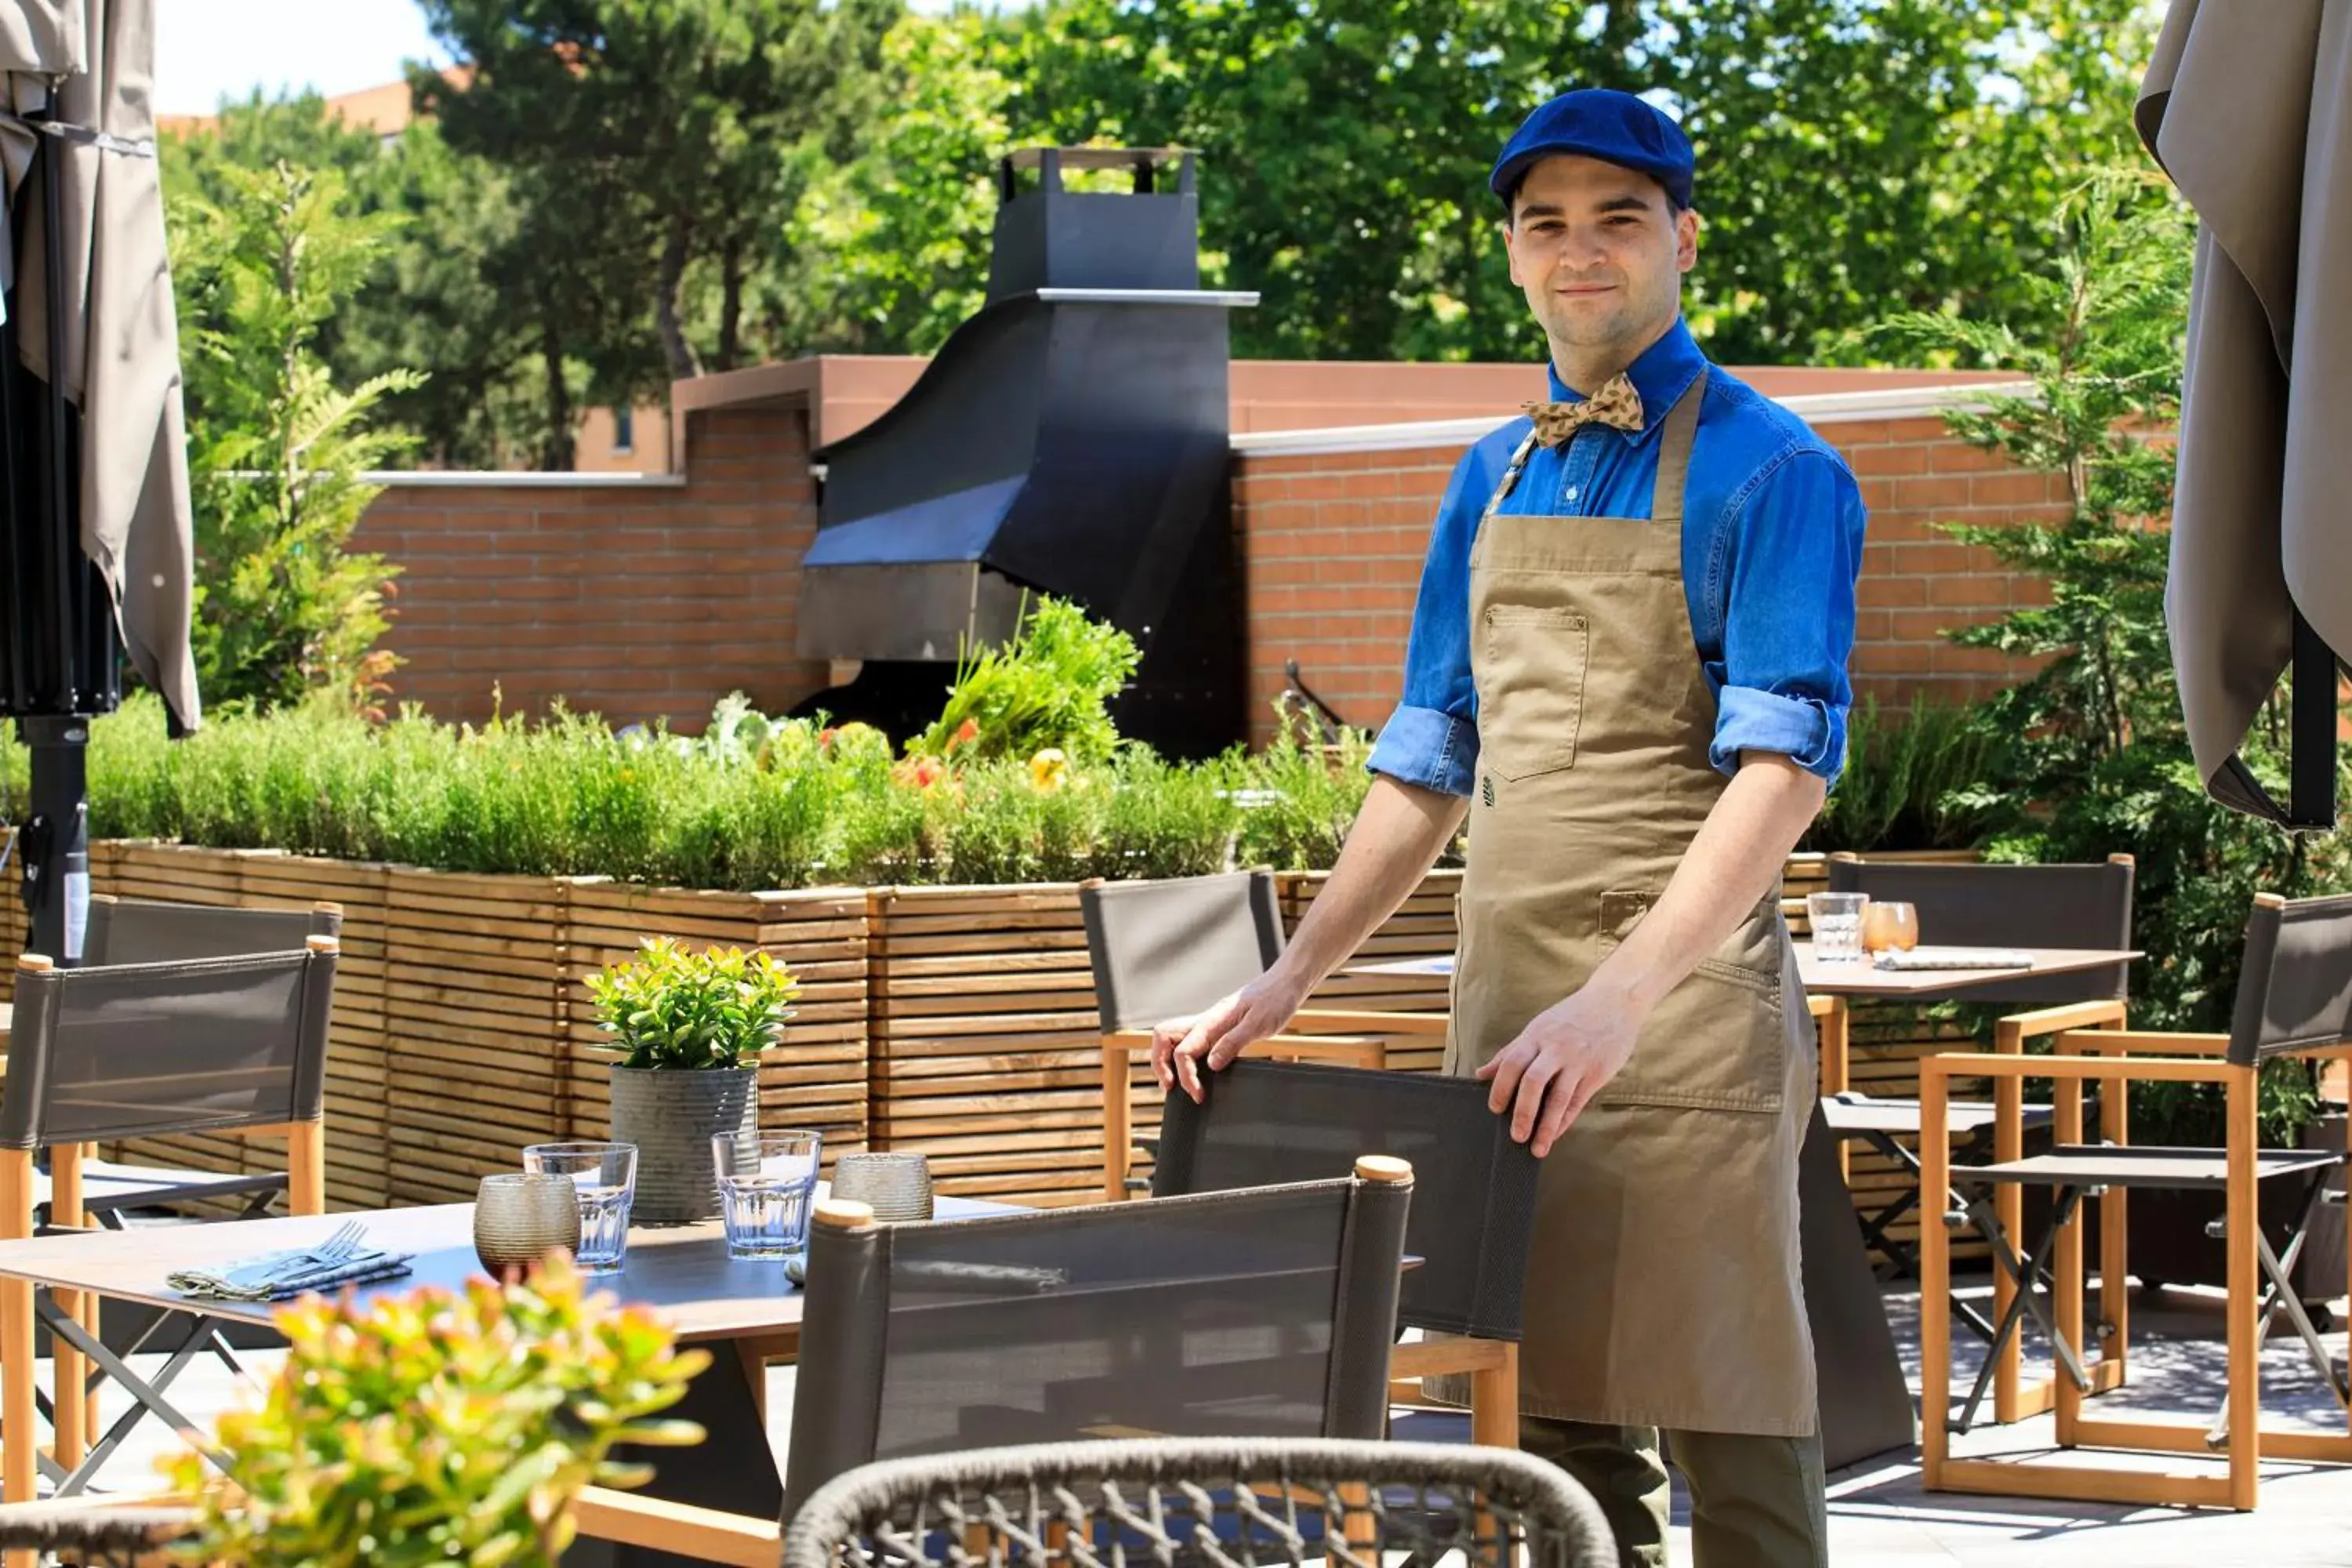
{"points": [[746, 1312]]}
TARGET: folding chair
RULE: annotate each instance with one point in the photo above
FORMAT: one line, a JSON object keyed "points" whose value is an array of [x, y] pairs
{"points": [[1474, 1202], [144, 931], [1162, 949], [2294, 998], [217, 1045], [1260, 1313], [1966, 905]]}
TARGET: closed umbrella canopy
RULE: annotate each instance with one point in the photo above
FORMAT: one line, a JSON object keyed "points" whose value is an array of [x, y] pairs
{"points": [[2248, 106], [86, 69]]}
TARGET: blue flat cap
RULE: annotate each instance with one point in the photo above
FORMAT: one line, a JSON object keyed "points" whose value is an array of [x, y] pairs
{"points": [[1598, 122]]}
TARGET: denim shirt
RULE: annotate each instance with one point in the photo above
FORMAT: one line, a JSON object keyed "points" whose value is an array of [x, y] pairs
{"points": [[1771, 547]]}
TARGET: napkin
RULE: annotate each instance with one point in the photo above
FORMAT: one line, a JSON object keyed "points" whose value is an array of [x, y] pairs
{"points": [[1953, 958], [282, 1276]]}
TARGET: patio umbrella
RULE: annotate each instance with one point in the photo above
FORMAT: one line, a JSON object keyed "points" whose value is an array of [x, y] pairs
{"points": [[95, 537], [2248, 107]]}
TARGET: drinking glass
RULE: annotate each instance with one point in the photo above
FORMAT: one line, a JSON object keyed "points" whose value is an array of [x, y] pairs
{"points": [[1890, 925], [1837, 925], [519, 1219], [765, 1181], [605, 1175]]}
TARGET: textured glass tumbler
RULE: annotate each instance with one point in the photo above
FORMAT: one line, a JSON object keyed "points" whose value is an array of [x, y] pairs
{"points": [[765, 1183], [1837, 925], [519, 1219], [605, 1178]]}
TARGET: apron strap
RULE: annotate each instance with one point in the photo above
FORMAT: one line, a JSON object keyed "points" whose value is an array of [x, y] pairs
{"points": [[1674, 453]]}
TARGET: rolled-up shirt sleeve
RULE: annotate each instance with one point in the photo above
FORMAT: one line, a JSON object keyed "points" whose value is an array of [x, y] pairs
{"points": [[1794, 550], [1431, 739]]}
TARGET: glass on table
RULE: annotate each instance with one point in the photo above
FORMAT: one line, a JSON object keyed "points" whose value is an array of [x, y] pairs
{"points": [[605, 1175], [1890, 924], [1836, 919], [766, 1183]]}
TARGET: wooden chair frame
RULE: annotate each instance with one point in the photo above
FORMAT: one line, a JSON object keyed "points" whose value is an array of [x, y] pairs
{"points": [[74, 1402], [2015, 1399], [2105, 1057]]}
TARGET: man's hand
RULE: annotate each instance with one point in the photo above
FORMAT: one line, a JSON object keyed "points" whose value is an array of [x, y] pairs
{"points": [[1222, 1033], [1566, 1055]]}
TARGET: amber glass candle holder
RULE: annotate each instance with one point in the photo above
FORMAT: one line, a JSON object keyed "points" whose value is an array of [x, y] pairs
{"points": [[1887, 925], [521, 1216]]}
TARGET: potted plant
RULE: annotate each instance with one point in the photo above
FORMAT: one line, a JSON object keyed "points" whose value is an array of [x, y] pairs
{"points": [[437, 1428], [691, 1025]]}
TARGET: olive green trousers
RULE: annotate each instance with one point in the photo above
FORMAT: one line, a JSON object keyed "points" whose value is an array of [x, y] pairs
{"points": [[1756, 1502]]}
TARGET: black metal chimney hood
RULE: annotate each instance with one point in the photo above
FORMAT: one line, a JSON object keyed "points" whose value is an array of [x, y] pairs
{"points": [[1071, 439]]}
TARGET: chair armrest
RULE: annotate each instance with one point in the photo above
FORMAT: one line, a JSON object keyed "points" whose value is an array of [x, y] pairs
{"points": [[2142, 1042], [2058, 1020], [1313, 1020], [1347, 1048], [705, 1535], [2147, 1069]]}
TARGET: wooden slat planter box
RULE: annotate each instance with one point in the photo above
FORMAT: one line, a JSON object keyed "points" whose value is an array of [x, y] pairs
{"points": [[984, 1040], [957, 1022], [817, 1078]]}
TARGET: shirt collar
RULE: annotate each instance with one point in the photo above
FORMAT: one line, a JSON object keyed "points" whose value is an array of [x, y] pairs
{"points": [[1662, 374]]}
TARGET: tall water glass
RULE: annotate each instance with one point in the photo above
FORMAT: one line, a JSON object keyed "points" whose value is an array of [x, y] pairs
{"points": [[766, 1181], [607, 1176], [1837, 925]]}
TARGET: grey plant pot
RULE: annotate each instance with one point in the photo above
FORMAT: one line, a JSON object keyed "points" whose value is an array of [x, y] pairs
{"points": [[671, 1114]]}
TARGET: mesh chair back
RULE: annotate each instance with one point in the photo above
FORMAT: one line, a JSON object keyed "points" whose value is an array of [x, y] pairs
{"points": [[1194, 1504], [1261, 1313], [140, 1049], [145, 930], [1473, 1201], [1168, 949], [2011, 906], [2294, 986]]}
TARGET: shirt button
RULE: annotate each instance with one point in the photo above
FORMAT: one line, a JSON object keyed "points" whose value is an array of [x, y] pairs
{"points": [[1571, 492]]}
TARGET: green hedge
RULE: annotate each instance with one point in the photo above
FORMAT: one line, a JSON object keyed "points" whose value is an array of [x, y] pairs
{"points": [[795, 807]]}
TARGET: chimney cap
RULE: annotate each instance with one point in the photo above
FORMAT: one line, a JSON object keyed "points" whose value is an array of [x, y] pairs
{"points": [[1096, 157]]}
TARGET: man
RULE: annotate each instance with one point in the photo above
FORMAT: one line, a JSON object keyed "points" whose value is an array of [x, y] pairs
{"points": [[1627, 668]]}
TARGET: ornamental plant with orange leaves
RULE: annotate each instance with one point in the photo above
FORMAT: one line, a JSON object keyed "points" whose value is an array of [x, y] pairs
{"points": [[439, 1428]]}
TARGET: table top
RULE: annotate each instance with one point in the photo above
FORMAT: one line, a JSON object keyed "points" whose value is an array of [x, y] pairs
{"points": [[1861, 979], [681, 1272]]}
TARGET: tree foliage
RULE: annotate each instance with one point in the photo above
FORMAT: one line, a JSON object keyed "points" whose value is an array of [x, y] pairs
{"points": [[275, 448], [2097, 757]]}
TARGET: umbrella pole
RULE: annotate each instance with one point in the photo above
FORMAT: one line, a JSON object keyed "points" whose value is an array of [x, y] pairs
{"points": [[56, 845]]}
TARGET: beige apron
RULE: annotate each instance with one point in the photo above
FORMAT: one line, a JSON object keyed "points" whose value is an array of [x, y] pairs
{"points": [[1663, 1287]]}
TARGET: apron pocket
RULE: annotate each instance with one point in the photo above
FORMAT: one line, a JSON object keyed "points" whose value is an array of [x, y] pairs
{"points": [[1721, 1039], [1529, 675]]}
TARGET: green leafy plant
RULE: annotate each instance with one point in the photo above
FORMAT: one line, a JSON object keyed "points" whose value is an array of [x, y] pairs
{"points": [[2097, 758], [1914, 779], [436, 1428], [672, 1006], [1049, 685], [277, 452]]}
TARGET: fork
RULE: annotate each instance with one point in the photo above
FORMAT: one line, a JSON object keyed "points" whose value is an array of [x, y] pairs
{"points": [[336, 1248]]}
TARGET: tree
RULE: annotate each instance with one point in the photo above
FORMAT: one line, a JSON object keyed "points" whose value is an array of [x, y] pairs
{"points": [[1856, 156], [431, 300], [647, 137], [276, 450], [2095, 756], [888, 253]]}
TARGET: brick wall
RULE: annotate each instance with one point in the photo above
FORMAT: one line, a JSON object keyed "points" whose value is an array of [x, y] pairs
{"points": [[1333, 539], [640, 596], [632, 597]]}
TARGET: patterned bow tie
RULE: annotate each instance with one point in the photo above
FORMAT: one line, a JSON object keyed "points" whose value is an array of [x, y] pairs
{"points": [[1616, 404]]}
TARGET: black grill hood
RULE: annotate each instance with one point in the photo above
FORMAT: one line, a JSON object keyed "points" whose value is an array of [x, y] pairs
{"points": [[1070, 438]]}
